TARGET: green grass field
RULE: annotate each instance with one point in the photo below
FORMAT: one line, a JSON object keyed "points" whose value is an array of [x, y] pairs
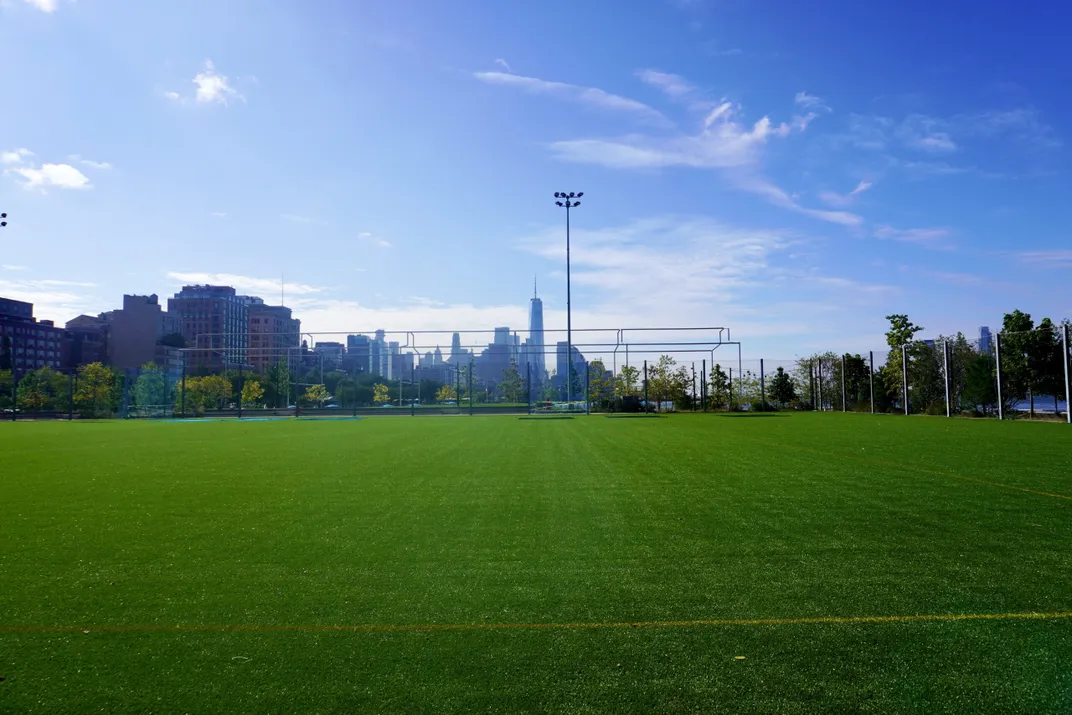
{"points": [[697, 563]]}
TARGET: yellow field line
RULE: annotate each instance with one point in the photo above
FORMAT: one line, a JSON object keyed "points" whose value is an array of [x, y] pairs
{"points": [[908, 468], [716, 622]]}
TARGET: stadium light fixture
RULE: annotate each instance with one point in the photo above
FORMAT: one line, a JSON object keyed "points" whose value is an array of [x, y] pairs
{"points": [[3, 223], [569, 203]]}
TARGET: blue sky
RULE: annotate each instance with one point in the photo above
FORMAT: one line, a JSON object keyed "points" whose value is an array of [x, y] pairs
{"points": [[795, 171]]}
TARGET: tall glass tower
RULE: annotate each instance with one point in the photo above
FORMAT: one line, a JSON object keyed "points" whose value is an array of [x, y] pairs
{"points": [[536, 344]]}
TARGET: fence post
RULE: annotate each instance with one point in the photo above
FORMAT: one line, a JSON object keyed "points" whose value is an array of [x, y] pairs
{"points": [[645, 386], [821, 406], [729, 404], [844, 403], [528, 387], [470, 380], [703, 384], [182, 393], [762, 387], [241, 384], [70, 395], [904, 375], [413, 390], [997, 362], [945, 358], [587, 386], [871, 378], [1068, 384]]}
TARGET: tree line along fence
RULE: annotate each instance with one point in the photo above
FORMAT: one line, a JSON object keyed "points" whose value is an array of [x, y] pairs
{"points": [[1017, 374]]}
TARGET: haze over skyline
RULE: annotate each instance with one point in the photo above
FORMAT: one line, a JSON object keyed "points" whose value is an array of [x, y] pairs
{"points": [[793, 172]]}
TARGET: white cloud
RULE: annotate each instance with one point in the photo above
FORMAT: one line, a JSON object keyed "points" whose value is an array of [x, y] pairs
{"points": [[218, 214], [780, 198], [174, 96], [8, 267], [44, 5], [296, 218], [87, 162], [809, 101], [267, 286], [503, 63], [672, 84], [589, 96], [928, 237], [835, 199], [213, 87], [63, 176], [52, 299], [15, 156]]}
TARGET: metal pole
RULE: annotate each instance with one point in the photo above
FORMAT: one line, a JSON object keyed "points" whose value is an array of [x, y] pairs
{"points": [[729, 404], [470, 380], [694, 387], [904, 375], [241, 380], [645, 386], [811, 384], [945, 362], [844, 403], [412, 405], [997, 361], [528, 386], [587, 388], [569, 321], [70, 395], [821, 406], [1068, 384], [762, 387], [182, 395], [871, 379], [703, 384]]}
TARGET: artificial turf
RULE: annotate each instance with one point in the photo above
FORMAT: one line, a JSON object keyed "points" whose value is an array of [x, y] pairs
{"points": [[584, 565]]}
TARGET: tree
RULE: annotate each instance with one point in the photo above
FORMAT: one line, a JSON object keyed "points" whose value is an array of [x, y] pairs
{"points": [[277, 383], [625, 384], [316, 394], [151, 389], [511, 384], [41, 389], [980, 386], [446, 393], [782, 390], [252, 393], [600, 384], [97, 394], [902, 332], [380, 393], [218, 391], [7, 382], [5, 353], [719, 392]]}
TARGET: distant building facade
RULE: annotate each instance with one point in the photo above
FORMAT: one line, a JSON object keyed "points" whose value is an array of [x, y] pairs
{"points": [[135, 333], [986, 340], [215, 323], [273, 333], [25, 342]]}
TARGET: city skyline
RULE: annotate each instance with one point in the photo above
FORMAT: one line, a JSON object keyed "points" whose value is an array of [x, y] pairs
{"points": [[736, 176]]}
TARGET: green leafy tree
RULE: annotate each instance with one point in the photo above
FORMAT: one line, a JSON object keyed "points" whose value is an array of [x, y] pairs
{"points": [[380, 393], [511, 384], [446, 393], [979, 392], [151, 390], [42, 389], [718, 387], [902, 332], [252, 394], [276, 384], [600, 384], [782, 389], [625, 384], [316, 394], [218, 390], [7, 384], [97, 395]]}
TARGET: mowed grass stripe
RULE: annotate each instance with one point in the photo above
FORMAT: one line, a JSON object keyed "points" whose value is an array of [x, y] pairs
{"points": [[714, 622]]}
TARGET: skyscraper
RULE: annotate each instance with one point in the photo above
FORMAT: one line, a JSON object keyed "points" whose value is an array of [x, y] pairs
{"points": [[455, 348], [536, 360], [985, 340]]}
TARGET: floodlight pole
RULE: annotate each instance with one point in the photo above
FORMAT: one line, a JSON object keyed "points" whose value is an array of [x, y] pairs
{"points": [[587, 388], [762, 387], [1068, 384], [871, 380], [703, 385], [568, 201], [645, 386], [820, 371], [904, 375], [945, 363], [997, 361], [844, 403]]}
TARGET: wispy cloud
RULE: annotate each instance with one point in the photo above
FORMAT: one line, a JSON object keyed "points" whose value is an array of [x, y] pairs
{"points": [[295, 218], [809, 101], [779, 197], [673, 85], [61, 176], [835, 199], [218, 214], [48, 6], [375, 240], [88, 162], [8, 267], [15, 156], [56, 300], [267, 286], [588, 96], [503, 63], [1056, 258], [936, 238]]}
